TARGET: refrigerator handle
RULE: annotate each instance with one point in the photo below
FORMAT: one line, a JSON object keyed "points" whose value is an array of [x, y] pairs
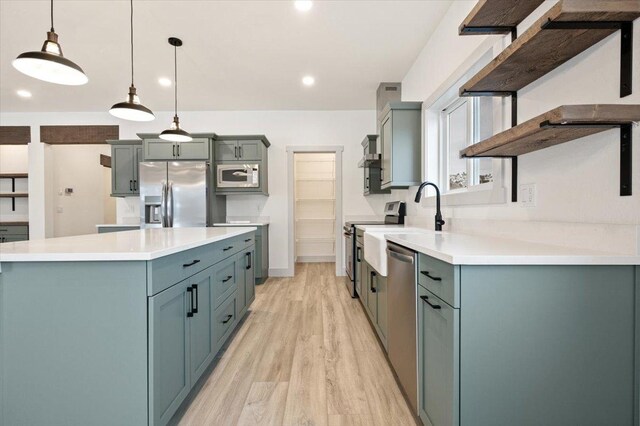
{"points": [[170, 204], [163, 205]]}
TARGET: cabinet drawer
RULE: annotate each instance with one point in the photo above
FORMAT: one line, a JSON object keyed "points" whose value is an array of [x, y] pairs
{"points": [[226, 248], [225, 281], [14, 230], [248, 240], [440, 278], [225, 318], [168, 270]]}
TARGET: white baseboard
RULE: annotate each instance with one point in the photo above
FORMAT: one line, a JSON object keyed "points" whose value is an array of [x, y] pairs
{"points": [[280, 272]]}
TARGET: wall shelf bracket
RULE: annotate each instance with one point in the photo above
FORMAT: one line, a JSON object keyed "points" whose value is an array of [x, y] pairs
{"points": [[625, 148], [626, 44]]}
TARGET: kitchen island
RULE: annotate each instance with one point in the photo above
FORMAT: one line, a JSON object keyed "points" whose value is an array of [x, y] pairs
{"points": [[117, 328]]}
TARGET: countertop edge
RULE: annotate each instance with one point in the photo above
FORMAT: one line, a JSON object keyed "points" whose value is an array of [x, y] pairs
{"points": [[492, 259], [118, 256]]}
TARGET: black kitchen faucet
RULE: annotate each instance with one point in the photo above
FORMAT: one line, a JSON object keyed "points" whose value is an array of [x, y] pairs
{"points": [[439, 222]]}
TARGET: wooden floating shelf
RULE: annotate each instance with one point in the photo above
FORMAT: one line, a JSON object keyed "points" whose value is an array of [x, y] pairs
{"points": [[14, 195], [554, 127], [560, 125], [497, 16], [566, 30], [13, 175]]}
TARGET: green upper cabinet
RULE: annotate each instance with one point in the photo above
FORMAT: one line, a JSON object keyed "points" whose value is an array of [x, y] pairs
{"points": [[400, 139], [226, 150], [125, 158], [161, 150], [241, 148]]}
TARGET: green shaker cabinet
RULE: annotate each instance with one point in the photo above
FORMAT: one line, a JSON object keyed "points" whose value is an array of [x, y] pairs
{"points": [[169, 338], [375, 301], [260, 258], [202, 347], [161, 150], [400, 139], [238, 150], [126, 156]]}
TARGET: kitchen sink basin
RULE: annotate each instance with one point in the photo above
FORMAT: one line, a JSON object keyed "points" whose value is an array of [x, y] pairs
{"points": [[375, 246]]}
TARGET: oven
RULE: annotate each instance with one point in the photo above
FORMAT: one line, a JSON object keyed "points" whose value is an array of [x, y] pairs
{"points": [[235, 175], [349, 240]]}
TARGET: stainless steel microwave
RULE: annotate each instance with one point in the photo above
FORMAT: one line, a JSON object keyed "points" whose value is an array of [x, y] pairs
{"points": [[238, 175]]}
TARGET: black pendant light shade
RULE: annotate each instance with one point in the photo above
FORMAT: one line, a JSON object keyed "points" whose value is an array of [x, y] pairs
{"points": [[175, 133], [49, 64], [131, 108]]}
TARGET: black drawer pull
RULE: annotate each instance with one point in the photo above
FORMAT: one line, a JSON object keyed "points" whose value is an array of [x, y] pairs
{"points": [[228, 319], [426, 274], [248, 260], [247, 240], [227, 279], [195, 290], [186, 265], [426, 299], [190, 312], [228, 248], [373, 289]]}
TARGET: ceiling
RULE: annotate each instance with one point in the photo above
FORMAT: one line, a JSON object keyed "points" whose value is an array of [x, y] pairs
{"points": [[237, 55]]}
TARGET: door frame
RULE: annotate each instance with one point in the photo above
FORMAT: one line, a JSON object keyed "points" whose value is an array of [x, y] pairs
{"points": [[291, 151]]}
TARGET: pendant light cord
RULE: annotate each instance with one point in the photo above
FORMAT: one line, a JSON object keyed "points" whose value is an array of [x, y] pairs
{"points": [[131, 42], [175, 65], [52, 30]]}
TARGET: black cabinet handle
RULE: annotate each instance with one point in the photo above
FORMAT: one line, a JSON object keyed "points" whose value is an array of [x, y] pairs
{"points": [[426, 300], [227, 319], [195, 290], [235, 152], [358, 251], [426, 274], [174, 149], [373, 289], [186, 265], [249, 259], [130, 185], [227, 279], [247, 240], [190, 312], [240, 150], [178, 149], [227, 249], [135, 185]]}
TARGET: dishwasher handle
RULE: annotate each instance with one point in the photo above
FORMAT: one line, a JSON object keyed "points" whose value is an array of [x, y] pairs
{"points": [[399, 256]]}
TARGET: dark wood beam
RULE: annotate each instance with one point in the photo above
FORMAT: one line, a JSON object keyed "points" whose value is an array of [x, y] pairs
{"points": [[105, 161], [15, 135], [71, 135]]}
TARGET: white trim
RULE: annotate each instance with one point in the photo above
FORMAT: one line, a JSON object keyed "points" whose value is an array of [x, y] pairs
{"points": [[490, 193], [279, 272], [337, 150]]}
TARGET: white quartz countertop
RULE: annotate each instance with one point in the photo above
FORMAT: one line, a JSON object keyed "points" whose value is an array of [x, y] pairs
{"points": [[146, 244], [463, 249], [116, 225], [378, 227]]}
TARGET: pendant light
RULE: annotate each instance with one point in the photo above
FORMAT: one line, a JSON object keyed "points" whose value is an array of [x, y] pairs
{"points": [[49, 64], [175, 133], [132, 109]]}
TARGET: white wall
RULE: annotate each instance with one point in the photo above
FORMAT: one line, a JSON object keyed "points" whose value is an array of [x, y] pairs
{"points": [[78, 167], [282, 128], [576, 181]]}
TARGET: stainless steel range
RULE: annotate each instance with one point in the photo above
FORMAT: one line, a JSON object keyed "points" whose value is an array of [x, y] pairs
{"points": [[394, 215]]}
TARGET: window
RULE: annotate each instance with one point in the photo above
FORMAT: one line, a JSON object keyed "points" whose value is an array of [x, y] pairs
{"points": [[464, 122]]}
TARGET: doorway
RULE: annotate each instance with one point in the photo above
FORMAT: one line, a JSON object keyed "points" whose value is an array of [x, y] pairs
{"points": [[315, 205]]}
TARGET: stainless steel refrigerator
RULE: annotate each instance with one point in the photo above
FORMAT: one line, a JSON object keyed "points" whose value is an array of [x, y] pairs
{"points": [[174, 194]]}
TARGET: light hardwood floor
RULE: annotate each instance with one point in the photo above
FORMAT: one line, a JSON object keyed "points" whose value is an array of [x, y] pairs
{"points": [[305, 355]]}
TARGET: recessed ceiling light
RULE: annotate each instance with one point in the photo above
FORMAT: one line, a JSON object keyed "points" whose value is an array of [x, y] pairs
{"points": [[308, 80], [24, 93], [164, 81], [303, 5]]}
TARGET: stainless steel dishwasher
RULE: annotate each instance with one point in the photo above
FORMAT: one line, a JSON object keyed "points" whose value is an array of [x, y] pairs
{"points": [[402, 306]]}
